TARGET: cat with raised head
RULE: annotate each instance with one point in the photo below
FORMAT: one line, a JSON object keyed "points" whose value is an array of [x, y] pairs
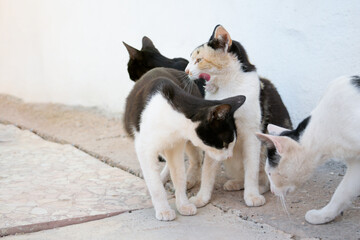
{"points": [[330, 132], [224, 64], [162, 117]]}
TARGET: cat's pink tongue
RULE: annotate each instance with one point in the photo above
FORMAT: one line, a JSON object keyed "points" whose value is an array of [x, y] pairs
{"points": [[205, 76]]}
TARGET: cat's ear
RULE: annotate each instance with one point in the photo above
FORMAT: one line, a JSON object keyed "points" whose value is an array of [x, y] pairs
{"points": [[275, 130], [222, 36], [133, 52], [219, 112], [147, 43], [282, 144], [235, 102]]}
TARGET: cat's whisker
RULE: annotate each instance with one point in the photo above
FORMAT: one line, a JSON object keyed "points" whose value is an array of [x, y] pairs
{"points": [[283, 203]]}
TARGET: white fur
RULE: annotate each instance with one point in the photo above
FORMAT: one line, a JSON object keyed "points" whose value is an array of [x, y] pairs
{"points": [[168, 138], [332, 133], [227, 82]]}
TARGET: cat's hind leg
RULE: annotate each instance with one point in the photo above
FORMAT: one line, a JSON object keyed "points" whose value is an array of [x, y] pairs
{"points": [[234, 169], [208, 176], [264, 183], [175, 161], [148, 159], [251, 153], [348, 189], [165, 174], [195, 157]]}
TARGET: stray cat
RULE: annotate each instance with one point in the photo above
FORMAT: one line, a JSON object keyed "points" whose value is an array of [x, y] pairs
{"points": [[162, 117], [331, 132], [225, 66], [140, 62], [148, 58], [272, 108]]}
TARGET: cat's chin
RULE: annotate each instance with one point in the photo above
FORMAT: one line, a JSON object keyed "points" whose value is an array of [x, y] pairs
{"points": [[193, 78], [282, 191]]}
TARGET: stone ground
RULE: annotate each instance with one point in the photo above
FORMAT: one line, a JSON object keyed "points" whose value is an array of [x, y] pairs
{"points": [[57, 182]]}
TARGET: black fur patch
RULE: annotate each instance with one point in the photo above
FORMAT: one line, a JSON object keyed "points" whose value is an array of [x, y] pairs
{"points": [[237, 49], [355, 80], [273, 157], [295, 134], [273, 109]]}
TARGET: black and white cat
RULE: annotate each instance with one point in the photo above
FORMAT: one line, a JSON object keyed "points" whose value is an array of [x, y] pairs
{"points": [[162, 117], [331, 132]]}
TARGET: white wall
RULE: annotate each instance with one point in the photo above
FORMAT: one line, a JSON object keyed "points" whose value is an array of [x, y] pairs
{"points": [[71, 52]]}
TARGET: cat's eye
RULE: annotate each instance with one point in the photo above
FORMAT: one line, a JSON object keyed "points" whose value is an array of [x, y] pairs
{"points": [[198, 60]]}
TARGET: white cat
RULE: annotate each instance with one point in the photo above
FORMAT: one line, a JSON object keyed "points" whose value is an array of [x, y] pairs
{"points": [[223, 63], [331, 132], [162, 117]]}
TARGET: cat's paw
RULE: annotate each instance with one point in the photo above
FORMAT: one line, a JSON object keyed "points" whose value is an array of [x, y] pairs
{"points": [[233, 185], [318, 217], [187, 209], [166, 215], [199, 201], [254, 200]]}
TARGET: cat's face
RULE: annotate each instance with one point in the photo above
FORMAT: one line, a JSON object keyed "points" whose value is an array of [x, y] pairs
{"points": [[285, 163], [217, 130], [218, 137], [218, 57]]}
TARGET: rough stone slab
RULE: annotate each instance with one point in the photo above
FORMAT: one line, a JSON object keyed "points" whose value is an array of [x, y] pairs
{"points": [[209, 224], [45, 185], [98, 133]]}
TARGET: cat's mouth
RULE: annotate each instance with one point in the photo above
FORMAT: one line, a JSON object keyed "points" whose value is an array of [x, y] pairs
{"points": [[205, 76]]}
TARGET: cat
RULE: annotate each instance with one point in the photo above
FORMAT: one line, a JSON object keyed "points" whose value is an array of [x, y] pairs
{"points": [[330, 132], [162, 117], [272, 107], [225, 66]]}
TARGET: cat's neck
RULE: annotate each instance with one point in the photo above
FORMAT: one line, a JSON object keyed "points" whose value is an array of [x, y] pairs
{"points": [[234, 81]]}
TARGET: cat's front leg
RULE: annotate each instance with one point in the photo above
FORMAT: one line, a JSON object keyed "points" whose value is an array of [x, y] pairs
{"points": [[208, 177], [251, 154], [175, 160], [348, 189], [148, 163]]}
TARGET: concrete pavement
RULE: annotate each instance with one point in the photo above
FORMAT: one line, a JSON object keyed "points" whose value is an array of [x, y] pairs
{"points": [[88, 135]]}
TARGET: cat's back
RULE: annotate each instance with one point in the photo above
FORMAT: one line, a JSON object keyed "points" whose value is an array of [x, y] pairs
{"points": [[338, 112], [342, 95], [146, 87]]}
